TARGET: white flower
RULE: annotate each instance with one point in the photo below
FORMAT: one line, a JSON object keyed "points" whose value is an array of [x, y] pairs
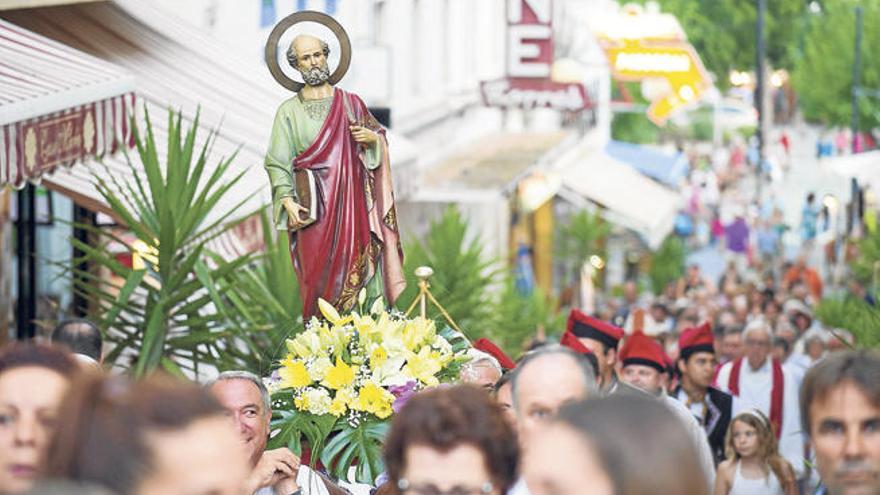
{"points": [[318, 368], [443, 346], [318, 400], [390, 372]]}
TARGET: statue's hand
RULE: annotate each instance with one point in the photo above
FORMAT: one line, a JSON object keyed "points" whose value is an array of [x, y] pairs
{"points": [[363, 135], [295, 213]]}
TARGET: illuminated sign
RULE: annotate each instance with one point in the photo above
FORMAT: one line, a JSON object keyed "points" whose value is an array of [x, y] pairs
{"points": [[651, 46], [529, 63], [674, 62]]}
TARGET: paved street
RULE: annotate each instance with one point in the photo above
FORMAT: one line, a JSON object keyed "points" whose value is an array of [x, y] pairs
{"points": [[806, 173]]}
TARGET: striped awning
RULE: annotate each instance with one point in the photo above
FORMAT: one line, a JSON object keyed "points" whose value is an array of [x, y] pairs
{"points": [[57, 106]]}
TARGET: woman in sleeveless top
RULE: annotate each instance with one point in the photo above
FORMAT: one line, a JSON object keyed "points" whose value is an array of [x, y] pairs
{"points": [[753, 465]]}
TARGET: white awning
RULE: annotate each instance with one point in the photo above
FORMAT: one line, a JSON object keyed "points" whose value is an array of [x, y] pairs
{"points": [[864, 167], [58, 105], [631, 199], [178, 67]]}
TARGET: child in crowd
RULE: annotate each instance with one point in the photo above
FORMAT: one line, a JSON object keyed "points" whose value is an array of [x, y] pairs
{"points": [[753, 465]]}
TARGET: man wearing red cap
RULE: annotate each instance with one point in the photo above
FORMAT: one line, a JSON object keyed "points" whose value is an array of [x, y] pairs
{"points": [[587, 335], [711, 407], [643, 365]]}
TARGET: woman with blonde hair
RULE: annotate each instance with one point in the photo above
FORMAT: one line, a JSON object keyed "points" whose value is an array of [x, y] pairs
{"points": [[753, 465]]}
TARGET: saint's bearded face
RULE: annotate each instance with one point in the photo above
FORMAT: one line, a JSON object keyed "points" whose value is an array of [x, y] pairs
{"points": [[316, 76]]}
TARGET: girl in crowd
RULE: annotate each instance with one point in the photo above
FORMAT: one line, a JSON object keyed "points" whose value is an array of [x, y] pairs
{"points": [[753, 465], [451, 440], [616, 445], [33, 379], [156, 436]]}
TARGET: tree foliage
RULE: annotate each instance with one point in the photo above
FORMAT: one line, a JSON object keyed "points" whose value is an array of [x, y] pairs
{"points": [[867, 265], [518, 316], [480, 296], [263, 298], [583, 236], [723, 32], [823, 75], [667, 263], [854, 315]]}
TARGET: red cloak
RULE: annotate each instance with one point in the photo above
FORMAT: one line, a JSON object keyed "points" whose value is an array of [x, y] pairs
{"points": [[356, 229]]}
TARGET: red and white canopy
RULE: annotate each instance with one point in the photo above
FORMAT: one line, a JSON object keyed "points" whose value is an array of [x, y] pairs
{"points": [[57, 105]]}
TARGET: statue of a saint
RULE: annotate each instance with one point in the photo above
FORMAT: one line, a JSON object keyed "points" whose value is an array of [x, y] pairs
{"points": [[328, 153]]}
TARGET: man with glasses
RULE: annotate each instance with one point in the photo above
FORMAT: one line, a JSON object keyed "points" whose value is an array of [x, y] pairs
{"points": [[759, 382]]}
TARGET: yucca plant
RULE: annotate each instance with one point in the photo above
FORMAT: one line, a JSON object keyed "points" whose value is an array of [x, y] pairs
{"points": [[462, 276], [169, 311], [263, 299]]}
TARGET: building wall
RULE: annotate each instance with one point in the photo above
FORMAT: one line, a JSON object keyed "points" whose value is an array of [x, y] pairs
{"points": [[422, 58], [425, 59]]}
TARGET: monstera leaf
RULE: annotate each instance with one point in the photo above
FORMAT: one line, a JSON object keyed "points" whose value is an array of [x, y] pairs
{"points": [[293, 429], [359, 446]]}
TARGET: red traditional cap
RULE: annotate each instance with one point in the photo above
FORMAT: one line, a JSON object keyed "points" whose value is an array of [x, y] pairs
{"points": [[587, 327], [696, 339], [493, 350], [641, 349], [571, 341]]}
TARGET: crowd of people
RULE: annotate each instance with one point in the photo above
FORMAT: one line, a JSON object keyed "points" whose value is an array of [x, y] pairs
{"points": [[604, 411]]}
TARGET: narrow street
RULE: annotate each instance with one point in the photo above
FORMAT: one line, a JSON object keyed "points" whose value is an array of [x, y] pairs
{"points": [[788, 190]]}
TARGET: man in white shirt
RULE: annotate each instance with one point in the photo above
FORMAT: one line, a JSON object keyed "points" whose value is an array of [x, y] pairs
{"points": [[759, 382], [276, 471]]}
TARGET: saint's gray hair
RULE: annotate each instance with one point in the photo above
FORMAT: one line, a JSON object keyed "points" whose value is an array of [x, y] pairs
{"points": [[247, 376], [583, 365], [291, 53]]}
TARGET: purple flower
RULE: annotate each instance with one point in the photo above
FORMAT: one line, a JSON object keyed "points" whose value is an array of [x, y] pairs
{"points": [[402, 394]]}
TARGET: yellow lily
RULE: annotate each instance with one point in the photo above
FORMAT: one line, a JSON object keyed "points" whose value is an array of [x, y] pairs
{"points": [[331, 314], [294, 374], [339, 376], [423, 367]]}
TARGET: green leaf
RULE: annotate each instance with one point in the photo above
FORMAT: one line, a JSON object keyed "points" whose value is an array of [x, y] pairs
{"points": [[172, 368], [462, 278], [131, 283], [362, 444], [294, 427], [153, 343]]}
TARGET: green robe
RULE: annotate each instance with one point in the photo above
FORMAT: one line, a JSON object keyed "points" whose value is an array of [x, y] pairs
{"points": [[296, 127]]}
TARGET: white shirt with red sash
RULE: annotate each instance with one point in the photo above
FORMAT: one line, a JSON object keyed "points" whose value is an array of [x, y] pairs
{"points": [[772, 390]]}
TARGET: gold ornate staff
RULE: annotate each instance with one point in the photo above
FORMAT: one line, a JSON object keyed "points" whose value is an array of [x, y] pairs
{"points": [[424, 273]]}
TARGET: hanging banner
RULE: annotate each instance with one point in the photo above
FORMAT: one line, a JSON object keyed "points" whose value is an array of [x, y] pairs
{"points": [[33, 147]]}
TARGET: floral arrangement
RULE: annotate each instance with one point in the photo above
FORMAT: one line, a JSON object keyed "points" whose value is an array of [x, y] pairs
{"points": [[344, 377]]}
